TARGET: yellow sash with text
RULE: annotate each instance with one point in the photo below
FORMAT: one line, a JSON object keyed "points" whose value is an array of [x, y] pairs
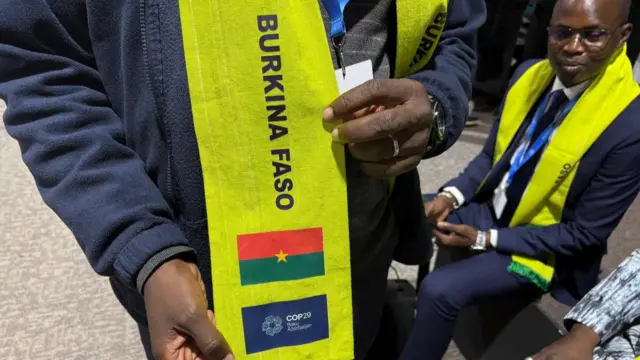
{"points": [[260, 75]]}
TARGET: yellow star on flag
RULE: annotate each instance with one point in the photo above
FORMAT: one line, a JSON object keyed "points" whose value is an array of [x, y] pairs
{"points": [[282, 256]]}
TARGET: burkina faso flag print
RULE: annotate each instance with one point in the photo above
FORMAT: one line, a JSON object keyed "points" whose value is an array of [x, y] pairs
{"points": [[280, 256]]}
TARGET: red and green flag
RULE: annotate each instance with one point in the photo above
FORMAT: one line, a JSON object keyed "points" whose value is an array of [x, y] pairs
{"points": [[280, 256]]}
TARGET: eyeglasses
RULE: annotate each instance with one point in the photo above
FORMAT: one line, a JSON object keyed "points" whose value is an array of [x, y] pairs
{"points": [[593, 38]]}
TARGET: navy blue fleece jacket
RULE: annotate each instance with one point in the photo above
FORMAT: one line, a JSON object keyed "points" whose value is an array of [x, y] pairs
{"points": [[97, 99]]}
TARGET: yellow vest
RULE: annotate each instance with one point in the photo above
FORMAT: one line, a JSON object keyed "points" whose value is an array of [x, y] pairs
{"points": [[260, 75], [543, 201]]}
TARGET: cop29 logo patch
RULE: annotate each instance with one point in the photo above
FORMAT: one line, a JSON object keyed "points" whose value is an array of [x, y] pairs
{"points": [[272, 325], [286, 323]]}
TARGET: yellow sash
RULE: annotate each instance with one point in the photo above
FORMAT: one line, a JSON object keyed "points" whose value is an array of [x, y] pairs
{"points": [[543, 201], [260, 75]]}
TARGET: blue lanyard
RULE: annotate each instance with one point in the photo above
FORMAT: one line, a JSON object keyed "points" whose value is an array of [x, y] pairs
{"points": [[527, 151], [335, 8]]}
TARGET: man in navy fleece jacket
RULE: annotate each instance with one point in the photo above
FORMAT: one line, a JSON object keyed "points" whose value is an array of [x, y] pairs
{"points": [[97, 97]]}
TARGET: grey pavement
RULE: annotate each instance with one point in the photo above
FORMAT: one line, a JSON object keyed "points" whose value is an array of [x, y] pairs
{"points": [[52, 305]]}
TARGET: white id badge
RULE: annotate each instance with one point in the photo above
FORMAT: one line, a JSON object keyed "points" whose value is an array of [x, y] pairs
{"points": [[357, 74], [500, 199]]}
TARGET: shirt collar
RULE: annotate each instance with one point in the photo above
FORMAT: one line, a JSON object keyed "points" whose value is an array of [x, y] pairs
{"points": [[573, 91]]}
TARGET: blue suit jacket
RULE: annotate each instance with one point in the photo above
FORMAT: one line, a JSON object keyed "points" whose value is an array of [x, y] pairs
{"points": [[606, 183]]}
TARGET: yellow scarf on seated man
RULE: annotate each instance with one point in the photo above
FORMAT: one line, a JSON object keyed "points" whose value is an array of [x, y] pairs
{"points": [[543, 201], [260, 75]]}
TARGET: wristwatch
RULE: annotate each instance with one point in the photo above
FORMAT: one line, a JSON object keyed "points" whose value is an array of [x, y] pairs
{"points": [[481, 242], [438, 128]]}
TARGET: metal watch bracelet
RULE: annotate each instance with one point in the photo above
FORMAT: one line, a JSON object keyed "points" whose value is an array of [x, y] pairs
{"points": [[481, 241], [449, 195]]}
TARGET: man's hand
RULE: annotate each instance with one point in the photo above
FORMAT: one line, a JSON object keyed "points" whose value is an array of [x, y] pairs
{"points": [[180, 325], [448, 234], [439, 208], [406, 116], [577, 345]]}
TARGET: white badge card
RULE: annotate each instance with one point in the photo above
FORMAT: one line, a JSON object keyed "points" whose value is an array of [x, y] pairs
{"points": [[500, 199], [356, 75]]}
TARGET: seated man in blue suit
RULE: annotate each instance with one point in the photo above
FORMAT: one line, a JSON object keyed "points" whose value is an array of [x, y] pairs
{"points": [[555, 177]]}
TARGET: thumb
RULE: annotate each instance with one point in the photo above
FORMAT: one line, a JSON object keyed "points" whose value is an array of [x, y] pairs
{"points": [[209, 340], [445, 226]]}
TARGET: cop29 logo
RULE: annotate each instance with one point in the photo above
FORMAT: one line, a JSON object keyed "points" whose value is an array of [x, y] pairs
{"points": [[272, 325]]}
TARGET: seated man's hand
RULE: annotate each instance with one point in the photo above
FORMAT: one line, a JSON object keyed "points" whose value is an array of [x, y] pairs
{"points": [[448, 234], [180, 325], [439, 208], [577, 345]]}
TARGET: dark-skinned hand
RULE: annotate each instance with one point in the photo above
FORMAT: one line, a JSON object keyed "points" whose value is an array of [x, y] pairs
{"points": [[180, 325], [579, 344], [403, 111], [438, 209], [448, 234]]}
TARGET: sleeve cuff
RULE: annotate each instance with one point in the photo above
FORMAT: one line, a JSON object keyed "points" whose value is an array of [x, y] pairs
{"points": [[600, 323], [510, 241], [158, 259], [456, 193], [612, 304], [142, 247], [493, 238]]}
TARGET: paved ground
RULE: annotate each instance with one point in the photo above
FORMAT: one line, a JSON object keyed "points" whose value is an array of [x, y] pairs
{"points": [[52, 306]]}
